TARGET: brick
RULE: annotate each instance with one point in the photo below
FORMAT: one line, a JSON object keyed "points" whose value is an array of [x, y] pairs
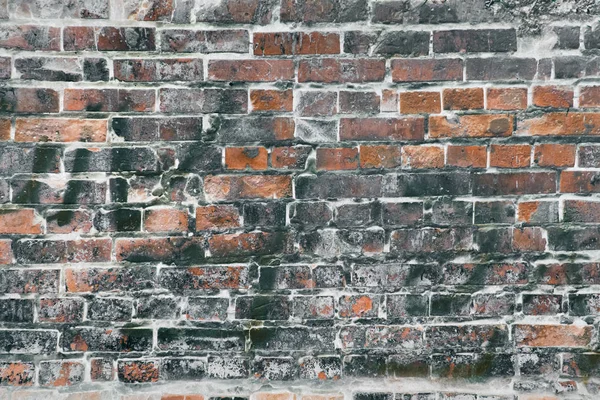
{"points": [[18, 341], [467, 156], [154, 129], [559, 124], [554, 155], [552, 335], [200, 339], [271, 214], [61, 373], [506, 99], [138, 371], [30, 37], [402, 214], [167, 250], [330, 70], [78, 9], [192, 41], [416, 70], [249, 129], [70, 192], [238, 245], [331, 243], [500, 68], [62, 251], [410, 128], [215, 217], [165, 220], [331, 159], [107, 100], [313, 308], [221, 188], [463, 99], [420, 102], [49, 69], [541, 304], [417, 185], [553, 96], [316, 103], [491, 125], [67, 221], [581, 211], [290, 157], [403, 43], [101, 370], [495, 212], [514, 183], [472, 366], [380, 156], [475, 41], [359, 102], [567, 37], [451, 212], [538, 212], [328, 11], [576, 66], [156, 70], [250, 70], [579, 182], [61, 310], [30, 280], [415, 157], [19, 222], [203, 101], [207, 309], [17, 373], [29, 100], [106, 340], [431, 240], [60, 130], [390, 337], [359, 42], [359, 306], [272, 100], [241, 158], [79, 38], [16, 310], [467, 336], [262, 308], [510, 156], [295, 43], [126, 39], [109, 309]]}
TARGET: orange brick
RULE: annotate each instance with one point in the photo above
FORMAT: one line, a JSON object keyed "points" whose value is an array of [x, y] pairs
{"points": [[467, 156], [507, 98], [236, 187], [4, 129], [382, 156], [420, 102], [330, 159], [555, 155], [272, 100], [422, 157], [553, 335], [60, 130], [165, 220], [289, 43], [553, 96], [6, 254], [241, 158], [19, 222], [217, 217], [510, 156], [528, 239], [490, 125], [463, 99], [561, 124]]}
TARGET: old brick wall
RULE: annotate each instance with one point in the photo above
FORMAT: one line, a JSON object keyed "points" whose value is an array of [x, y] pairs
{"points": [[299, 199]]}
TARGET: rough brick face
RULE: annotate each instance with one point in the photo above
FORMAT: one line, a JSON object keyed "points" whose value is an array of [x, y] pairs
{"points": [[299, 199]]}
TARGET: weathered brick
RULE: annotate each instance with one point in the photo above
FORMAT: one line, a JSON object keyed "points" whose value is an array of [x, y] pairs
{"points": [[410, 128], [259, 12], [290, 157], [60, 130], [481, 125], [542, 304], [67, 221], [203, 101], [475, 41], [552, 335], [242, 158], [154, 129], [69, 192], [138, 371], [19, 341], [126, 39], [498, 68], [463, 99], [77, 9], [62, 251], [198, 278], [30, 37], [431, 240], [61, 310], [106, 340], [167, 250], [415, 157], [28, 100], [154, 70], [326, 11], [17, 373], [192, 41], [19, 222], [195, 339], [295, 43], [252, 129], [579, 182], [494, 212], [380, 156], [414, 70], [49, 69], [403, 43], [514, 183], [30, 280], [250, 70], [332, 70], [506, 98], [553, 96], [165, 220], [467, 336], [230, 187]]}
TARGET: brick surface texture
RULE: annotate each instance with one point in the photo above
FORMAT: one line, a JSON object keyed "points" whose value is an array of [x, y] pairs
{"points": [[299, 199]]}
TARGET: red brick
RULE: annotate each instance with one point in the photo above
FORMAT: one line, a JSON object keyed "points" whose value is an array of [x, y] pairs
{"points": [[579, 182], [60, 130], [553, 96], [332, 159], [5, 129], [163, 249], [510, 155], [29, 100], [467, 156], [528, 239], [272, 100], [6, 255], [553, 335], [507, 98], [295, 43], [332, 70], [491, 125], [537, 211], [237, 187], [422, 157], [241, 158], [554, 155], [165, 220], [380, 156], [138, 371], [79, 38], [30, 37], [415, 70], [382, 129], [68, 221], [246, 244], [420, 102], [251, 70], [17, 373], [109, 100], [589, 96], [19, 222], [290, 157], [463, 99], [217, 217], [560, 124]]}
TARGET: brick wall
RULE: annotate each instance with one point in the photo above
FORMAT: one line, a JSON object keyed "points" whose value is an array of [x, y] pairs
{"points": [[299, 199]]}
